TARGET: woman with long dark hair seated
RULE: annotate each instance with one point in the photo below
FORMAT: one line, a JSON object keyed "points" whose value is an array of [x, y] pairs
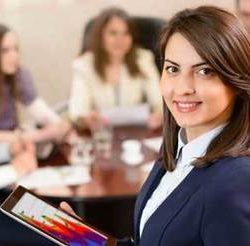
{"points": [[113, 72], [17, 87]]}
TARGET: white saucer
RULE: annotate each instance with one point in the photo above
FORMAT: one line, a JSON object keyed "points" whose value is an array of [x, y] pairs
{"points": [[132, 160]]}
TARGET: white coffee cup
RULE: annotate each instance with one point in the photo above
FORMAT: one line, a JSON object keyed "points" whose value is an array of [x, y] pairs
{"points": [[131, 152]]}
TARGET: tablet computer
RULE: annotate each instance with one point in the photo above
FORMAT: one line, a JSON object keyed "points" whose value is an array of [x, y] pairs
{"points": [[51, 222]]}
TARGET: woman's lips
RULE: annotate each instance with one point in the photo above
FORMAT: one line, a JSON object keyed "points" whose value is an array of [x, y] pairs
{"points": [[186, 107]]}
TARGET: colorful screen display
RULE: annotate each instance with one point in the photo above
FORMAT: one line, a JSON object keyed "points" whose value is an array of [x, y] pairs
{"points": [[56, 223]]}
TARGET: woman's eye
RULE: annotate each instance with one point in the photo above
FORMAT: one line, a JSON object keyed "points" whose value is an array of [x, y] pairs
{"points": [[206, 71], [172, 69], [113, 33]]}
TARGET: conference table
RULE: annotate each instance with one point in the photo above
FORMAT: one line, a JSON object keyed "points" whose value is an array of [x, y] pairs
{"points": [[107, 200]]}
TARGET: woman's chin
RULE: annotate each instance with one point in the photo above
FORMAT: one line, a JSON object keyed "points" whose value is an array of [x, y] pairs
{"points": [[10, 71], [186, 123]]}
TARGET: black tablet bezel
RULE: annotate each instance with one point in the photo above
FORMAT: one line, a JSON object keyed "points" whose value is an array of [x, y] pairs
{"points": [[16, 195]]}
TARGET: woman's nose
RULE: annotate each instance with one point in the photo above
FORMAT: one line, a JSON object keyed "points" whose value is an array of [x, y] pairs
{"points": [[184, 85]]}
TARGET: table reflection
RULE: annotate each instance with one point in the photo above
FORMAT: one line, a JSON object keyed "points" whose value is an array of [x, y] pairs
{"points": [[110, 176]]}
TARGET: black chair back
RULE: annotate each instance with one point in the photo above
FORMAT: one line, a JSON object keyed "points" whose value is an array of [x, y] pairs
{"points": [[148, 30]]}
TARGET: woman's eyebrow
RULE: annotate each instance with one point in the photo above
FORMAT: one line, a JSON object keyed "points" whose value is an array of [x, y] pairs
{"points": [[174, 63], [199, 64], [193, 66]]}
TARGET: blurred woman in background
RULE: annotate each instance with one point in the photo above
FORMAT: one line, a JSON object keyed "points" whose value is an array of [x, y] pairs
{"points": [[113, 72], [16, 86], [17, 147]]}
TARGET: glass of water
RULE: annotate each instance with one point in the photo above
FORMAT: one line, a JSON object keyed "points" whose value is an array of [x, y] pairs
{"points": [[82, 151], [103, 139]]}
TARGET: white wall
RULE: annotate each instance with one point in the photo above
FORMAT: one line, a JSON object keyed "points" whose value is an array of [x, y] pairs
{"points": [[50, 32]]}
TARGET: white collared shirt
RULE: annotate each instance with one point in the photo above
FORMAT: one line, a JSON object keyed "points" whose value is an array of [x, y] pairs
{"points": [[186, 154]]}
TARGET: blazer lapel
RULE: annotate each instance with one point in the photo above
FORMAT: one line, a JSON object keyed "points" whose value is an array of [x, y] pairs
{"points": [[166, 212], [145, 193]]}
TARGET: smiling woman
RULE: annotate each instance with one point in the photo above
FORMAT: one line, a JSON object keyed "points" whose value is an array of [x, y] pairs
{"points": [[205, 83], [194, 93], [202, 181]]}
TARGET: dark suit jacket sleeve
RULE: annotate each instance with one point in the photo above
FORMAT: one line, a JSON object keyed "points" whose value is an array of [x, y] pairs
{"points": [[226, 218]]}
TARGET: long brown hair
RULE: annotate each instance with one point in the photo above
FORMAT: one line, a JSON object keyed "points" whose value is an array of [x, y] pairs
{"points": [[95, 42], [10, 79], [221, 40]]}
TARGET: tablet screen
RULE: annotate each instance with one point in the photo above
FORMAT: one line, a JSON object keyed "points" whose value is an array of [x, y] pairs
{"points": [[56, 223]]}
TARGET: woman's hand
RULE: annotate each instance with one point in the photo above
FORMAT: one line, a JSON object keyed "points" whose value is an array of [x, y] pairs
{"points": [[52, 131], [20, 144], [92, 121], [67, 208], [25, 161]]}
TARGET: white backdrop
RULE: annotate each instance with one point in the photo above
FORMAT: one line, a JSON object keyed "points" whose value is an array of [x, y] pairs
{"points": [[50, 32]]}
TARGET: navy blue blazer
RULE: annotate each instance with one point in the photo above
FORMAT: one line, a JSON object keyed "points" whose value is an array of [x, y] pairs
{"points": [[211, 207]]}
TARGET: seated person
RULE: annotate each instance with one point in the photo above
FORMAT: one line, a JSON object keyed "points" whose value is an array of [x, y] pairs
{"points": [[23, 161], [113, 72], [16, 85]]}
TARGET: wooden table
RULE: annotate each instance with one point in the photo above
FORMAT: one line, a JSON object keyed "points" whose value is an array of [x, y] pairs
{"points": [[107, 201], [110, 177]]}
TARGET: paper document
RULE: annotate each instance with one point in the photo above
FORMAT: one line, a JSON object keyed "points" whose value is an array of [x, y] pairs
{"points": [[153, 143], [56, 176], [136, 115]]}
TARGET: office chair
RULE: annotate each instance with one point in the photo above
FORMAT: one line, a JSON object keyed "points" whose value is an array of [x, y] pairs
{"points": [[148, 32]]}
